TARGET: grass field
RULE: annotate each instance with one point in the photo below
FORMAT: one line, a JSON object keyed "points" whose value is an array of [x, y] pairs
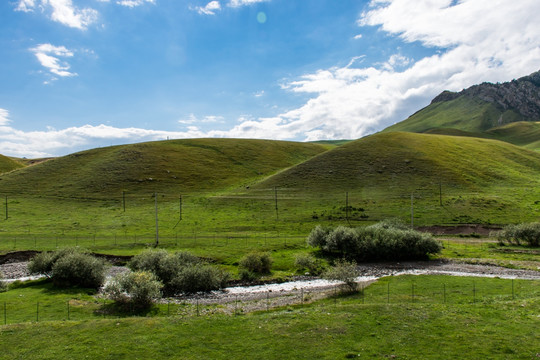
{"points": [[406, 317]]}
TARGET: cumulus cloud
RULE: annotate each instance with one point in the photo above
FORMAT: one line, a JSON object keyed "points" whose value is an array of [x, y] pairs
{"points": [[49, 57], [53, 142], [476, 41], [209, 9], [61, 11]]}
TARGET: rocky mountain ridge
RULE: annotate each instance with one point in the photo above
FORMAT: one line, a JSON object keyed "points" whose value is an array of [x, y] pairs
{"points": [[521, 95]]}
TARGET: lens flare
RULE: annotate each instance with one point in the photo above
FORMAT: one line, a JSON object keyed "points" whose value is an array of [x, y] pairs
{"points": [[261, 17]]}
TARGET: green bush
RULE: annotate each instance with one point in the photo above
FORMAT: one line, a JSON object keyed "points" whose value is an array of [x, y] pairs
{"points": [[382, 241], [179, 272], [139, 288], [317, 237], [308, 262], [69, 267], [528, 233], [344, 271], [198, 278], [257, 262], [42, 263], [78, 269]]}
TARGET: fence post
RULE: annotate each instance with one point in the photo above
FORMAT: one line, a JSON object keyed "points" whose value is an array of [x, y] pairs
{"points": [[5, 314], [37, 312], [267, 300], [68, 309]]}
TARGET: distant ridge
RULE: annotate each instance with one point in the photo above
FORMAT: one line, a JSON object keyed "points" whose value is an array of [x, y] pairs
{"points": [[479, 110]]}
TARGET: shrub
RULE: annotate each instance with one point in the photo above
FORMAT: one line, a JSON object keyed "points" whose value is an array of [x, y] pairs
{"points": [[138, 288], [42, 263], [69, 267], [382, 241], [529, 233], [256, 262], [198, 278], [317, 237], [308, 262], [78, 269], [179, 272], [344, 271]]}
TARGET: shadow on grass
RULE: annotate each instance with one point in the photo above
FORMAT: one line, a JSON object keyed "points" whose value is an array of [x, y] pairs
{"points": [[126, 310]]}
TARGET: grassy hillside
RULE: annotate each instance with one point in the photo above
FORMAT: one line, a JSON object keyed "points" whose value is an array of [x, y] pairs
{"points": [[463, 113], [408, 161], [7, 164], [521, 133], [176, 166]]}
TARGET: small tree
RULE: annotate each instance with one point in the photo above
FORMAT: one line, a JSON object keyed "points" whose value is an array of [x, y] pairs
{"points": [[345, 271]]}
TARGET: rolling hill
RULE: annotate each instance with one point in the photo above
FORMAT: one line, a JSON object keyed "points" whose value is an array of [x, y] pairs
{"points": [[7, 164], [406, 161], [174, 166], [485, 110]]}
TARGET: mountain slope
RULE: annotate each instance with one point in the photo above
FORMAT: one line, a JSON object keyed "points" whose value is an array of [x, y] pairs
{"points": [[407, 161], [175, 166], [7, 164], [479, 109]]}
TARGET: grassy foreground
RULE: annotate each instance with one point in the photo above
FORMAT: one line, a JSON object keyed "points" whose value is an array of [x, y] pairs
{"points": [[389, 322]]}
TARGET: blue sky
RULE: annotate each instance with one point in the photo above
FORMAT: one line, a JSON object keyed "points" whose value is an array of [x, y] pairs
{"points": [[78, 74]]}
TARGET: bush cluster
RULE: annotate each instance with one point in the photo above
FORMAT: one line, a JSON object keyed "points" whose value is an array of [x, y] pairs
{"points": [[382, 241], [139, 288], [519, 234], [255, 264], [69, 267], [181, 272]]}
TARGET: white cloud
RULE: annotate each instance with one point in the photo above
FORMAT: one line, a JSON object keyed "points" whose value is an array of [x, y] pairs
{"points": [[238, 3], [4, 117], [134, 3], [478, 40], [49, 57], [209, 9], [192, 119], [62, 11]]}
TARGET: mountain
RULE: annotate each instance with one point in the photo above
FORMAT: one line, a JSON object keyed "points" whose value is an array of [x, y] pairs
{"points": [[401, 161], [480, 111], [172, 166]]}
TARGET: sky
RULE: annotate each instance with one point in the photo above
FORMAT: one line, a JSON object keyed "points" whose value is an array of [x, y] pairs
{"points": [[81, 74]]}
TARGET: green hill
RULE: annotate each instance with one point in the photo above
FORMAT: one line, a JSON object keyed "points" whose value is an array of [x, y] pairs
{"points": [[486, 111], [175, 166], [7, 164], [407, 161]]}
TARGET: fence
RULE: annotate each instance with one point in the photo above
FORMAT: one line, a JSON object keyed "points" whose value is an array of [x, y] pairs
{"points": [[409, 290], [191, 240]]}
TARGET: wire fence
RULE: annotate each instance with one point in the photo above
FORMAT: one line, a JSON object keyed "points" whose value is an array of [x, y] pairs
{"points": [[191, 240], [478, 292]]}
